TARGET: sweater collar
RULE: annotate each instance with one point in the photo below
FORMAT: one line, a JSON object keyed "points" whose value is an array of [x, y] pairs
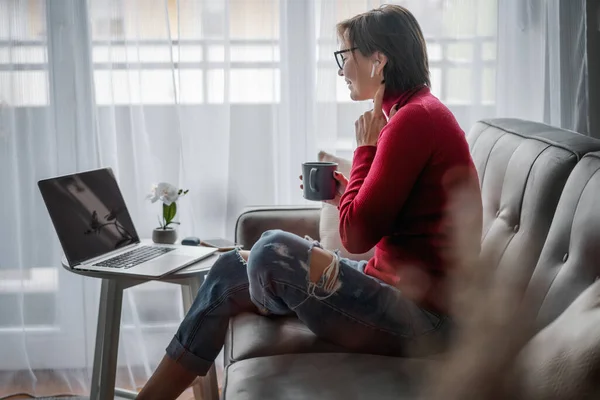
{"points": [[401, 99]]}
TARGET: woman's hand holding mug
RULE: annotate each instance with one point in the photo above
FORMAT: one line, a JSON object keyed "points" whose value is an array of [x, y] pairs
{"points": [[341, 184]]}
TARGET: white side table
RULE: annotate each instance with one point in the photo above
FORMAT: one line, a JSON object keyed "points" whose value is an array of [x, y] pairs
{"points": [[109, 323]]}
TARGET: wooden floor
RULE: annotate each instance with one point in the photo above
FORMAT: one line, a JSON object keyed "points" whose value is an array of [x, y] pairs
{"points": [[52, 383]]}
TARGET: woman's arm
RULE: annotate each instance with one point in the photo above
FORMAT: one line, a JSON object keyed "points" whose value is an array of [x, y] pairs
{"points": [[382, 177]]}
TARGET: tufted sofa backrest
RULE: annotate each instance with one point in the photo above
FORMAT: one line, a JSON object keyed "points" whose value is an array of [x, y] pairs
{"points": [[570, 259], [523, 167]]}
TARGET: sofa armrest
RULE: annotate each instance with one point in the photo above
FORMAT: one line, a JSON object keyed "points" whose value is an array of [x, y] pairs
{"points": [[253, 221]]}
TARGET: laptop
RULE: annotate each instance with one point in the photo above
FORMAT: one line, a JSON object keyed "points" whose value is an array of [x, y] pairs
{"points": [[96, 231]]}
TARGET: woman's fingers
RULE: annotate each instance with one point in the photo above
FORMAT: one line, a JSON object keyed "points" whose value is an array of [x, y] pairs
{"points": [[340, 177]]}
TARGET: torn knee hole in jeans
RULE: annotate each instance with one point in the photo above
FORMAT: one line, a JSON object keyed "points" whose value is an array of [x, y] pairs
{"points": [[329, 281], [241, 258]]}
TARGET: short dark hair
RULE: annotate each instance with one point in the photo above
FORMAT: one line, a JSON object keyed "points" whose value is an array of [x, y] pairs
{"points": [[395, 32]]}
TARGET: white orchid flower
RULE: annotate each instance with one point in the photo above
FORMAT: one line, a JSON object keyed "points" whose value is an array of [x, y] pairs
{"points": [[164, 192], [153, 195]]}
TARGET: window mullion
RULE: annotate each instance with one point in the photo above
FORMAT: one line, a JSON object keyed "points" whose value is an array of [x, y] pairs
{"points": [[71, 84]]}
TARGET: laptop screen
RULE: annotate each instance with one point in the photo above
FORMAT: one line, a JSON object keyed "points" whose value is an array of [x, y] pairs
{"points": [[89, 214]]}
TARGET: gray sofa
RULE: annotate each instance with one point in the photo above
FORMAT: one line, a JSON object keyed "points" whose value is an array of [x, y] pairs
{"points": [[541, 203]]}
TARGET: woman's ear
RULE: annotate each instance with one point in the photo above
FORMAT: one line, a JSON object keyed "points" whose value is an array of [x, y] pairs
{"points": [[379, 60]]}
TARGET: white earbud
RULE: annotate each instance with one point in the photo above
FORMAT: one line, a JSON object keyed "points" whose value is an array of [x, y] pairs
{"points": [[373, 69]]}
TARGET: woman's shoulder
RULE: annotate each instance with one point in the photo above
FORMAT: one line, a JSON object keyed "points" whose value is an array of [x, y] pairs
{"points": [[425, 120], [427, 101], [419, 104], [427, 107]]}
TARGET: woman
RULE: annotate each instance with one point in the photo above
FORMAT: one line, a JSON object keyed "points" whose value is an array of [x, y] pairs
{"points": [[396, 198]]}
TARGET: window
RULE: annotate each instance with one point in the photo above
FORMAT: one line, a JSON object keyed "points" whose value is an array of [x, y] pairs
{"points": [[219, 46], [221, 51], [23, 55]]}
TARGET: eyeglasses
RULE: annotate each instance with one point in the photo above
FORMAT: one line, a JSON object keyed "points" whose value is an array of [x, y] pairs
{"points": [[339, 58]]}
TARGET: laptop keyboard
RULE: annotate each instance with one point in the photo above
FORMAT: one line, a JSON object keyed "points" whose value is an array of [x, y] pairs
{"points": [[134, 257]]}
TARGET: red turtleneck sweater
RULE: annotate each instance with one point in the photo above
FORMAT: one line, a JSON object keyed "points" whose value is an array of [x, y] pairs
{"points": [[397, 197]]}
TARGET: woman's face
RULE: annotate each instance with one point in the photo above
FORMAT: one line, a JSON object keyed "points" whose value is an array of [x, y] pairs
{"points": [[357, 73]]}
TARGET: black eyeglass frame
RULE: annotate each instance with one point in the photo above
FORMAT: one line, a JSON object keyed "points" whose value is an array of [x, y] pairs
{"points": [[340, 52]]}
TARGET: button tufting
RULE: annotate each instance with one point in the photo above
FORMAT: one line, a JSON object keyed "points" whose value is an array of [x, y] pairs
{"points": [[516, 228], [565, 257]]}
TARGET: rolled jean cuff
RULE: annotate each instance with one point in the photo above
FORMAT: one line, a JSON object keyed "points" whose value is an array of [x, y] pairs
{"points": [[187, 359]]}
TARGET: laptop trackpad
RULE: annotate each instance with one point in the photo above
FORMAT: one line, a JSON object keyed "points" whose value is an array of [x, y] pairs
{"points": [[163, 265]]}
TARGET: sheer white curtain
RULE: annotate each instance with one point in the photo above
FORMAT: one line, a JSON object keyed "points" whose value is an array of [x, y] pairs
{"points": [[542, 69], [226, 98]]}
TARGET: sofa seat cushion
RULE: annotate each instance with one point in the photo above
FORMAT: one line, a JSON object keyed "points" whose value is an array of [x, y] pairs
{"points": [[252, 335], [563, 360], [324, 376]]}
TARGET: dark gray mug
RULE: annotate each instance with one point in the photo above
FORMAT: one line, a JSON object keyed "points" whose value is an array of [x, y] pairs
{"points": [[319, 183]]}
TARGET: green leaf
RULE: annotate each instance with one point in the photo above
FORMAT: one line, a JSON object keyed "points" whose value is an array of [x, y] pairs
{"points": [[169, 212]]}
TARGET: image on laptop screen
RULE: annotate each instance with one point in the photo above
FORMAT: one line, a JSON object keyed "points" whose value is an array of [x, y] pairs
{"points": [[89, 214]]}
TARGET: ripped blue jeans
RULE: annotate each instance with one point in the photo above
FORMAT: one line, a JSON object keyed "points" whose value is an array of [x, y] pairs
{"points": [[345, 306]]}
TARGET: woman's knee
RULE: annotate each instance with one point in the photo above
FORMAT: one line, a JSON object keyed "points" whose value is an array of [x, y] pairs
{"points": [[286, 247], [261, 251], [277, 248], [270, 236]]}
